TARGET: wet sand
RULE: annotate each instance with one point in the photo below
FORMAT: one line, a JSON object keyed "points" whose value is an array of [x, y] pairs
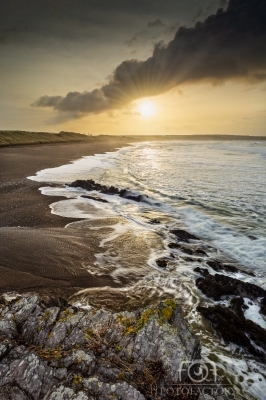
{"points": [[36, 252]]}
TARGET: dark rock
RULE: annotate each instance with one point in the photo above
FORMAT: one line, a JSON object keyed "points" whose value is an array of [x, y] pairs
{"points": [[202, 271], [154, 221], [252, 237], [91, 185], [192, 251], [174, 245], [190, 259], [186, 250], [237, 305], [218, 266], [263, 306], [183, 236], [234, 328], [128, 195], [200, 252], [162, 263], [94, 198], [217, 285]]}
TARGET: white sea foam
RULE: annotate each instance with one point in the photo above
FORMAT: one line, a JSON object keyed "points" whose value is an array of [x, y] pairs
{"points": [[250, 253], [253, 313], [78, 169], [80, 208]]}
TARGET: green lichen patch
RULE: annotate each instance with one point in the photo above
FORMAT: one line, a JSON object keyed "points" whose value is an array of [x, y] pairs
{"points": [[88, 333], [166, 310], [171, 303], [163, 313], [65, 314], [167, 313], [77, 379], [141, 322], [45, 316]]}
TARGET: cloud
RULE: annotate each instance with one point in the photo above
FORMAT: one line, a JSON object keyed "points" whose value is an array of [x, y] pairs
{"points": [[155, 24], [131, 42], [223, 3], [23, 22], [199, 15], [228, 45], [47, 101]]}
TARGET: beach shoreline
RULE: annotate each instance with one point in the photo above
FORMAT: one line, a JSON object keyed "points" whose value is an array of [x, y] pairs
{"points": [[31, 234]]}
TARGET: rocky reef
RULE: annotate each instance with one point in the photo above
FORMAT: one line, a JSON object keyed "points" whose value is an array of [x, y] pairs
{"points": [[52, 350], [91, 185]]}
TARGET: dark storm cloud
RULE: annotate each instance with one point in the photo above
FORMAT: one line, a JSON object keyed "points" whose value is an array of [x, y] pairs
{"points": [[228, 45], [61, 19], [75, 19], [47, 21], [198, 16], [85, 102]]}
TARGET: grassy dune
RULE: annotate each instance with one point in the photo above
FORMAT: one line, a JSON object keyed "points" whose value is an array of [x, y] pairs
{"points": [[13, 138]]}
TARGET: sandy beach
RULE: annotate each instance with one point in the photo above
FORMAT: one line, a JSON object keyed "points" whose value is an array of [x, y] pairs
{"points": [[36, 252]]}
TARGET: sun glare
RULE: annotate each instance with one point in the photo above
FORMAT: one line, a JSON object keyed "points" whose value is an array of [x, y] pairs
{"points": [[147, 108]]}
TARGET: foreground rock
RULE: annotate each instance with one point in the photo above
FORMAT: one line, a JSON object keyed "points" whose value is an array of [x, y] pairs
{"points": [[91, 185], [56, 351]]}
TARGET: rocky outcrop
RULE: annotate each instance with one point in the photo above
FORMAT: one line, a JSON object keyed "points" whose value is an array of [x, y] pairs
{"points": [[183, 236], [233, 327], [219, 267], [52, 350], [217, 286], [229, 321], [91, 185]]}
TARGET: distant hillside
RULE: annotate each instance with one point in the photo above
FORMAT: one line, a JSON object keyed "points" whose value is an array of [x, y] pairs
{"points": [[14, 138]]}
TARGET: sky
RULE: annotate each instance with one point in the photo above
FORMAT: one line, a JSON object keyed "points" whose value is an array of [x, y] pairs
{"points": [[133, 66]]}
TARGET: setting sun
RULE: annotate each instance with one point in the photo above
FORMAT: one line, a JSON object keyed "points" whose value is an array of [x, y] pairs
{"points": [[147, 108]]}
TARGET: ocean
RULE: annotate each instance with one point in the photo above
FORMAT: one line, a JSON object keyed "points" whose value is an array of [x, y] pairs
{"points": [[215, 190]]}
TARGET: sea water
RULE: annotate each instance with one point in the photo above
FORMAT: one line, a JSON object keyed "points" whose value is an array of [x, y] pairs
{"points": [[215, 190]]}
